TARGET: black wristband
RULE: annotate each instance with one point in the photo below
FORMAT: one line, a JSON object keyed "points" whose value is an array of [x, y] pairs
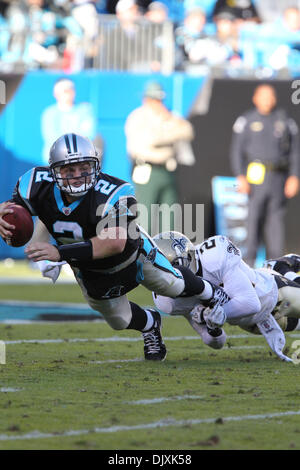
{"points": [[81, 251]]}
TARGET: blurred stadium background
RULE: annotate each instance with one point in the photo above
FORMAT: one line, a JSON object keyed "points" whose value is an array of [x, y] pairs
{"points": [[244, 42]]}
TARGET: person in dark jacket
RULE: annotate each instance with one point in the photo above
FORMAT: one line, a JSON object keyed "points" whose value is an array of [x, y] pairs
{"points": [[265, 159]]}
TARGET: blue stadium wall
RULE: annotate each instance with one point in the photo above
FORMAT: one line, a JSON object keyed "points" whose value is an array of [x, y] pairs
{"points": [[113, 97]]}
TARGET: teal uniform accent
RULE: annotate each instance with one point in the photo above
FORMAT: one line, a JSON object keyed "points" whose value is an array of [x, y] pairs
{"points": [[25, 184], [60, 203], [124, 190], [160, 261], [140, 274]]}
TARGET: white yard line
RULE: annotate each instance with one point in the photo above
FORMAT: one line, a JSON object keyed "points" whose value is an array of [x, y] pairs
{"points": [[120, 339], [226, 348], [112, 361], [157, 424], [33, 280], [25, 303], [163, 399]]}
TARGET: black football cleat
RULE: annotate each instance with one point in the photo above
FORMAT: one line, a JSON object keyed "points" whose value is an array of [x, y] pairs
{"points": [[154, 347]]}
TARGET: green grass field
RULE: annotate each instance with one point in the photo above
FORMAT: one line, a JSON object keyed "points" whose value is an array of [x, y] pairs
{"points": [[83, 386], [197, 399]]}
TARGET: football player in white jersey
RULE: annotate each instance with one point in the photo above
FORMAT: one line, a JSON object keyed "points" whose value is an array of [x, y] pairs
{"points": [[287, 265], [255, 296]]}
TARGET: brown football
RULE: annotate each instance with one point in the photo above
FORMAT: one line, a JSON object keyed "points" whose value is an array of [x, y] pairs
{"points": [[22, 220]]}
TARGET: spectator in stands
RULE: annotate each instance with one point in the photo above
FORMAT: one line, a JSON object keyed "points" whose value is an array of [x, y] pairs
{"points": [[290, 30], [274, 45], [240, 9], [207, 6], [187, 37], [130, 42], [198, 48], [112, 4], [128, 13], [154, 143], [157, 12], [66, 116], [38, 34], [176, 10], [86, 15], [124, 31], [227, 38]]}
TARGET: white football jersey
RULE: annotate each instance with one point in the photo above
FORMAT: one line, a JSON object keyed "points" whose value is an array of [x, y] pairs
{"points": [[253, 292]]}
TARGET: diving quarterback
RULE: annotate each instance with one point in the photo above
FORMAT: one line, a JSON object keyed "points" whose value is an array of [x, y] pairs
{"points": [[259, 300], [91, 216]]}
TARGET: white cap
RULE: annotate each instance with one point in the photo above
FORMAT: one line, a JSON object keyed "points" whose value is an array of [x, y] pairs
{"points": [[124, 5]]}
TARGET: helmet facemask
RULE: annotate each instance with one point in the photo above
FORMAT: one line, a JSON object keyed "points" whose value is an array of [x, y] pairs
{"points": [[68, 183], [182, 260], [69, 152]]}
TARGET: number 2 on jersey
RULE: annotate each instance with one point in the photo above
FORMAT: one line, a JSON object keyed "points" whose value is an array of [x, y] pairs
{"points": [[64, 227], [207, 245]]}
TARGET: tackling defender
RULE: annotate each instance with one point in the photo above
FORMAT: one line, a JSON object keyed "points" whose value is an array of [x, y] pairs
{"points": [[255, 296], [91, 216]]}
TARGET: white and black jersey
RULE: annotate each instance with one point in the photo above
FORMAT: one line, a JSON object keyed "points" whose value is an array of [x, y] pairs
{"points": [[252, 292]]}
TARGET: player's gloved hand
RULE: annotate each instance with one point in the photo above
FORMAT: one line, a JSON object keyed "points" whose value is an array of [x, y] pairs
{"points": [[219, 297], [196, 314], [215, 316]]}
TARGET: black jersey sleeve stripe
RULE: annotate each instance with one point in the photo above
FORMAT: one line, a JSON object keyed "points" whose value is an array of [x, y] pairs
{"points": [[67, 141], [74, 143]]}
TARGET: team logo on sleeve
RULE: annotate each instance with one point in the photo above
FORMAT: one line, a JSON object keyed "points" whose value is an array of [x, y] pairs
{"points": [[233, 249], [150, 258]]}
